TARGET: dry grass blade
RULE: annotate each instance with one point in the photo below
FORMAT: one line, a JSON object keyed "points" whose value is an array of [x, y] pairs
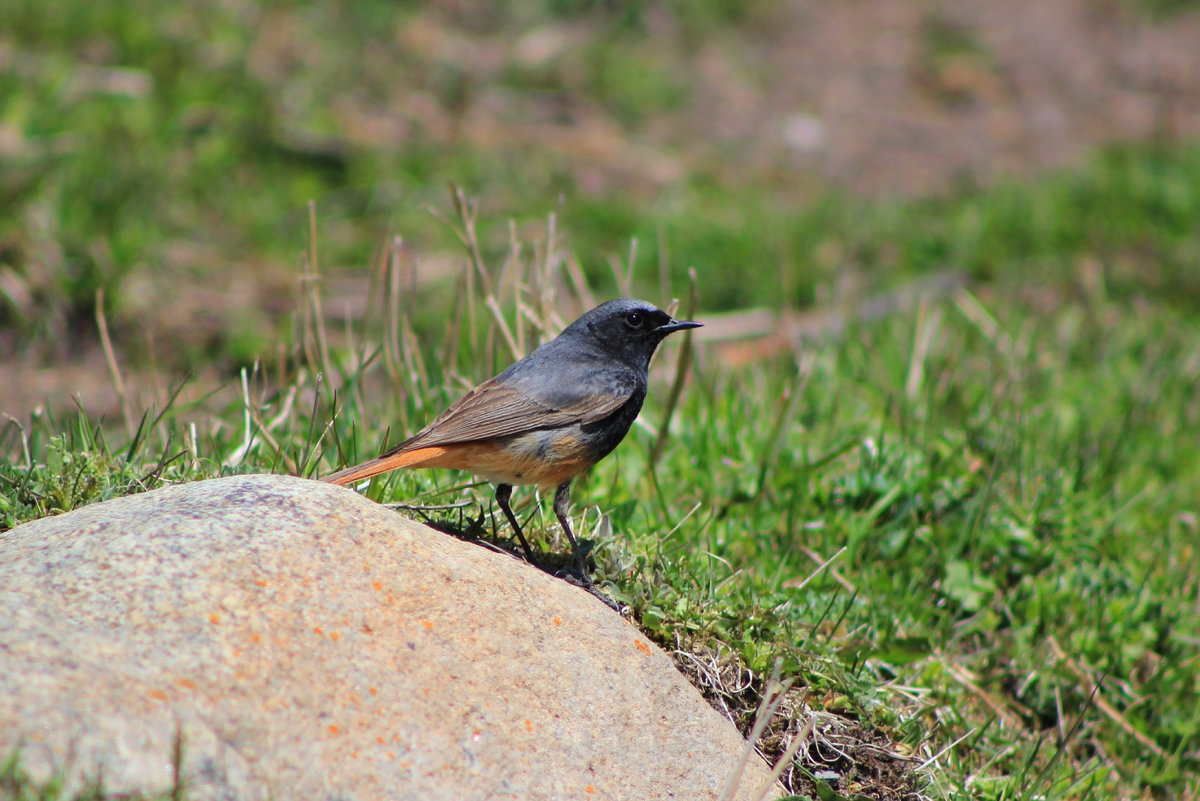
{"points": [[928, 763], [315, 284], [392, 349], [24, 437], [1093, 690], [623, 276], [502, 326], [682, 367], [449, 355], [983, 320], [579, 282], [191, 446], [928, 322], [238, 454], [998, 707], [401, 358], [772, 698], [786, 759], [256, 428], [664, 262], [823, 562], [15, 288], [311, 314], [816, 572], [804, 365], [468, 211], [418, 376], [513, 259], [545, 276], [111, 357], [464, 229]]}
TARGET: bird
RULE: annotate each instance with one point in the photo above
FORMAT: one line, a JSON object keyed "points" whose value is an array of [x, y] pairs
{"points": [[546, 418]]}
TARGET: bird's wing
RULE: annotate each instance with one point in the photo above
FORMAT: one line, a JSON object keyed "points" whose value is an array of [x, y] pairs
{"points": [[497, 409]]}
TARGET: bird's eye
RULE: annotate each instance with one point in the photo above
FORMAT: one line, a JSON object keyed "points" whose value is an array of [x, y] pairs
{"points": [[633, 320]]}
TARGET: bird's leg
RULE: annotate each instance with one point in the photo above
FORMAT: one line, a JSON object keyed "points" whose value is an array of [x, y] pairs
{"points": [[503, 495], [562, 501]]}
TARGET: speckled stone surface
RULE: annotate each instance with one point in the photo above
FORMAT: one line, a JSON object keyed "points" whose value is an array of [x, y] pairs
{"points": [[311, 644]]}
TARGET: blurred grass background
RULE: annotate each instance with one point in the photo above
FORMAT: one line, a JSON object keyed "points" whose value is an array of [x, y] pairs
{"points": [[148, 150], [949, 258]]}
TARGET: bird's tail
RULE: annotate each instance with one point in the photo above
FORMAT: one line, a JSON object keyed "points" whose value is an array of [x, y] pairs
{"points": [[394, 460]]}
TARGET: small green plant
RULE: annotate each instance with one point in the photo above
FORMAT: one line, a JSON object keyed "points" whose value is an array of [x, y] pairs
{"points": [[17, 785]]}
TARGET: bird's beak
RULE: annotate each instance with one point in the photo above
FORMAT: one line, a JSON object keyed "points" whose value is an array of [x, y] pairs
{"points": [[679, 325]]}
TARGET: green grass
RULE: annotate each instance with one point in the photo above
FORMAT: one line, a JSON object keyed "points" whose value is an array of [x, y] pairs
{"points": [[16, 785], [1004, 481]]}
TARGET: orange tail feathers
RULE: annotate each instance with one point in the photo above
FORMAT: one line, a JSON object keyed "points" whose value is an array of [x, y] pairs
{"points": [[384, 464]]}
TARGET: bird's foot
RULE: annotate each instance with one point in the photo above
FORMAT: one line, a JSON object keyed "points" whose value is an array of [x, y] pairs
{"points": [[584, 582]]}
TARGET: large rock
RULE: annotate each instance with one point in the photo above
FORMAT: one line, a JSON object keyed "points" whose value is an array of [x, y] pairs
{"points": [[307, 643]]}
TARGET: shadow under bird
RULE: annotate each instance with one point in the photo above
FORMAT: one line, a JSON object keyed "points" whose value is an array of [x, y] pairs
{"points": [[549, 416]]}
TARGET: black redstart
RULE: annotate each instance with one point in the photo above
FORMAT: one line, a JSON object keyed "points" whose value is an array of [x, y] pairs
{"points": [[548, 417]]}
